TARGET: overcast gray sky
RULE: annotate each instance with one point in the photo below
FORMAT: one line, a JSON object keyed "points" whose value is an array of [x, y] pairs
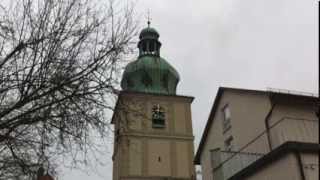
{"points": [[251, 44]]}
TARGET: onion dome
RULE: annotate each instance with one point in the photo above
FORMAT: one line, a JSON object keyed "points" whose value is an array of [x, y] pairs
{"points": [[150, 73]]}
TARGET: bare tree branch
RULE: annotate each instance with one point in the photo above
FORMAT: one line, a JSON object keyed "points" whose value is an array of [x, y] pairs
{"points": [[59, 68]]}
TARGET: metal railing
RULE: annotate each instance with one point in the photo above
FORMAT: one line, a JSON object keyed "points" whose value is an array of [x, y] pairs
{"points": [[238, 161], [227, 163]]}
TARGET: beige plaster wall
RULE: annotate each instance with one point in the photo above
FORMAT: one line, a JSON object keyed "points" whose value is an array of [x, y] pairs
{"points": [[180, 125], [284, 168], [302, 111], [183, 157], [310, 162], [248, 112], [178, 115], [135, 154], [159, 158], [154, 152]]}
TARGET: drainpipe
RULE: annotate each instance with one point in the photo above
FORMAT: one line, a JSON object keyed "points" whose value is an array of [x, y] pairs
{"points": [[266, 121], [298, 156]]}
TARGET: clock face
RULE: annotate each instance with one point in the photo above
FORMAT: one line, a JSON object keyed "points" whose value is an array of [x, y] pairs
{"points": [[158, 116]]}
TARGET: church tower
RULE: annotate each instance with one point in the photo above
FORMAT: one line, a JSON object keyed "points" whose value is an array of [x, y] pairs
{"points": [[153, 128]]}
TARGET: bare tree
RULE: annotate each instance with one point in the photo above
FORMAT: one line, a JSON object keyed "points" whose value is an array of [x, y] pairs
{"points": [[59, 66]]}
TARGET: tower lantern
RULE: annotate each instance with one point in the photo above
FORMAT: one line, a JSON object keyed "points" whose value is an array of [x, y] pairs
{"points": [[149, 43]]}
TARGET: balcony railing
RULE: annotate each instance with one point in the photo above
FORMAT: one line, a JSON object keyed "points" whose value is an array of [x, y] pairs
{"points": [[227, 163], [238, 161]]}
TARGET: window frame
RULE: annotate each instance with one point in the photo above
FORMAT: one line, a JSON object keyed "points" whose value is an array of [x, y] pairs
{"points": [[158, 120], [226, 121]]}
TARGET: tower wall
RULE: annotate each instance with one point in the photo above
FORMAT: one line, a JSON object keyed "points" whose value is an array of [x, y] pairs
{"points": [[143, 151]]}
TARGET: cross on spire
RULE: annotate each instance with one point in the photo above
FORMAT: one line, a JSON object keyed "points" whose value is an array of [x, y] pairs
{"points": [[149, 18]]}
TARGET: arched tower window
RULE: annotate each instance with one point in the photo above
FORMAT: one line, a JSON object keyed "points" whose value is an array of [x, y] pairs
{"points": [[158, 116], [144, 47]]}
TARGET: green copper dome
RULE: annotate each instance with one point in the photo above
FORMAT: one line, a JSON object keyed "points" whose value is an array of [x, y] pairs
{"points": [[150, 73]]}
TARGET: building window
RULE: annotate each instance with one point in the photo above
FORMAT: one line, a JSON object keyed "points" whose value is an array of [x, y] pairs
{"points": [[158, 116], [226, 123], [228, 143]]}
